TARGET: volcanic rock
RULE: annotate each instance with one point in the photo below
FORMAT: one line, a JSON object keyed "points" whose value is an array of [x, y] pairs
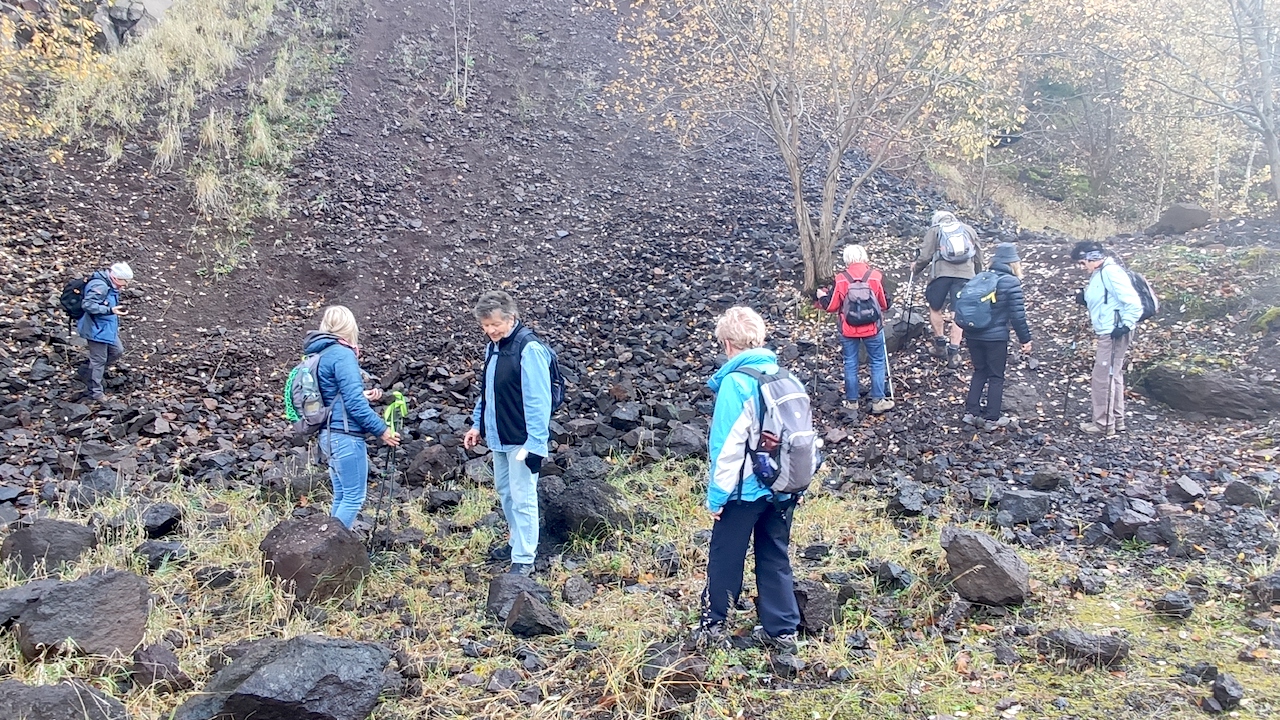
{"points": [[72, 699], [317, 556], [1212, 393], [161, 519], [1178, 219], [577, 591], [1184, 490], [530, 616], [94, 487], [158, 552], [504, 588], [14, 600], [685, 441], [680, 673], [1078, 645], [433, 464], [983, 570], [1173, 605], [817, 606], [47, 542], [1239, 492], [98, 614], [1227, 691], [1266, 590], [311, 676], [907, 500], [583, 507], [1022, 506], [156, 666]]}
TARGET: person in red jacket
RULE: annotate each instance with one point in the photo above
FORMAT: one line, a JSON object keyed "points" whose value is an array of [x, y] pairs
{"points": [[861, 324]]}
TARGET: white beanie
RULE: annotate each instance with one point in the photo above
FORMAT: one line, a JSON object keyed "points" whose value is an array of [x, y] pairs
{"points": [[942, 216], [122, 271]]}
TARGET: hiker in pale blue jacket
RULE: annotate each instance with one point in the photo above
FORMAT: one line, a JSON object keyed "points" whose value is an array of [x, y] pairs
{"points": [[741, 506], [1114, 310]]}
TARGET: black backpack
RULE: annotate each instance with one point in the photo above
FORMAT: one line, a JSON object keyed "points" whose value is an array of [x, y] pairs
{"points": [[72, 297], [860, 307], [1150, 301], [523, 336], [976, 302]]}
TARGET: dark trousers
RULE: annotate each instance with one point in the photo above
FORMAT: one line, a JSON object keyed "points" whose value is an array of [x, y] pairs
{"points": [[101, 355], [989, 360], [738, 522]]}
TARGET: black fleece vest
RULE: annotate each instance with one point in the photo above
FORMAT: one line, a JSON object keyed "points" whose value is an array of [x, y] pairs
{"points": [[508, 391]]}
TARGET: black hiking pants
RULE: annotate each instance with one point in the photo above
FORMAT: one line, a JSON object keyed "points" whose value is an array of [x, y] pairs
{"points": [[738, 523], [989, 360]]}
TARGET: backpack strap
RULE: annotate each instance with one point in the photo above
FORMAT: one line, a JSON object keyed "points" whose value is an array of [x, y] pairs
{"points": [[760, 379]]}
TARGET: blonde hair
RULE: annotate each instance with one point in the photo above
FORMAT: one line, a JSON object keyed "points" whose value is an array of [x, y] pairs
{"points": [[854, 253], [337, 319], [741, 327], [1016, 269]]}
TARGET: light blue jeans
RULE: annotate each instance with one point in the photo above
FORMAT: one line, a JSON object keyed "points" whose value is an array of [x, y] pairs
{"points": [[518, 492], [348, 458], [875, 358]]}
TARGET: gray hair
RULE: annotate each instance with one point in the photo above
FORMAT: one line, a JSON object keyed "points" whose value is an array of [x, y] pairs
{"points": [[854, 253], [741, 327], [496, 301], [942, 216]]}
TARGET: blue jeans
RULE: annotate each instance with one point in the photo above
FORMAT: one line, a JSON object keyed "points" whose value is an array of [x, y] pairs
{"points": [[348, 459], [875, 357], [518, 492]]}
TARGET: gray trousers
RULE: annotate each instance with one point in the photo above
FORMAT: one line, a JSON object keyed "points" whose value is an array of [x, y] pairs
{"points": [[1107, 387], [100, 356]]}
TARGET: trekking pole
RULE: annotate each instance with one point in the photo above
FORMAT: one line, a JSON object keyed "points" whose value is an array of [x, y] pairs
{"points": [[394, 417], [1066, 394], [1111, 389]]}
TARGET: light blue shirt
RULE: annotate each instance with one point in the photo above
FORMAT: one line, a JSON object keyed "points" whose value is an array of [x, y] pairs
{"points": [[1109, 295], [535, 383]]}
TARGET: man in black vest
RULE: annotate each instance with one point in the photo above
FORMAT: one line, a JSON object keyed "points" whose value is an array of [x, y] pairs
{"points": [[513, 417]]}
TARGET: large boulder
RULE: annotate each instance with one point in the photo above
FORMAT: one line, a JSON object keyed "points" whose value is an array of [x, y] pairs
{"points": [[584, 507], [14, 600], [311, 676], [686, 441], [100, 614], [47, 542], [63, 701], [899, 327], [1210, 393], [1178, 219], [983, 570], [433, 464], [317, 556]]}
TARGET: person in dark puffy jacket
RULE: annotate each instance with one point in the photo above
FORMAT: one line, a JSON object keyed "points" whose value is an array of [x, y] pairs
{"points": [[351, 418], [100, 326], [854, 338], [989, 347]]}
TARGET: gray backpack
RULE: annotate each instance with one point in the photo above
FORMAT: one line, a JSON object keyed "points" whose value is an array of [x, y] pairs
{"points": [[303, 405], [785, 457], [954, 244]]}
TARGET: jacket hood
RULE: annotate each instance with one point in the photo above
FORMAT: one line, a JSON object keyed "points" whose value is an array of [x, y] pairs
{"points": [[317, 341], [754, 357]]}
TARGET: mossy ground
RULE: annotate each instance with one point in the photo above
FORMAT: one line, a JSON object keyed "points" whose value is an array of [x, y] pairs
{"points": [[430, 601]]}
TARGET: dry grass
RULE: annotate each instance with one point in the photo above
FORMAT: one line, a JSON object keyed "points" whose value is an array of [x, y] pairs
{"points": [[1032, 213], [915, 673]]}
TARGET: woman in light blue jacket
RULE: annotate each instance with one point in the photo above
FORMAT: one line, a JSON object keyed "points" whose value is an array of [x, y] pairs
{"points": [[342, 440], [741, 506], [1114, 309]]}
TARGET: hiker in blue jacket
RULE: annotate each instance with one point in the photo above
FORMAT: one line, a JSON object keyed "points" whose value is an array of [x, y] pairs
{"points": [[989, 346], [741, 506], [351, 418], [1114, 310], [100, 326], [513, 418]]}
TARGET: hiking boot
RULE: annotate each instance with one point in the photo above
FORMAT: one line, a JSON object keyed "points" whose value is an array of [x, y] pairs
{"points": [[953, 356], [1094, 428], [710, 636], [939, 347], [1119, 427], [91, 397], [1002, 421], [525, 569], [970, 419], [785, 644], [880, 406]]}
